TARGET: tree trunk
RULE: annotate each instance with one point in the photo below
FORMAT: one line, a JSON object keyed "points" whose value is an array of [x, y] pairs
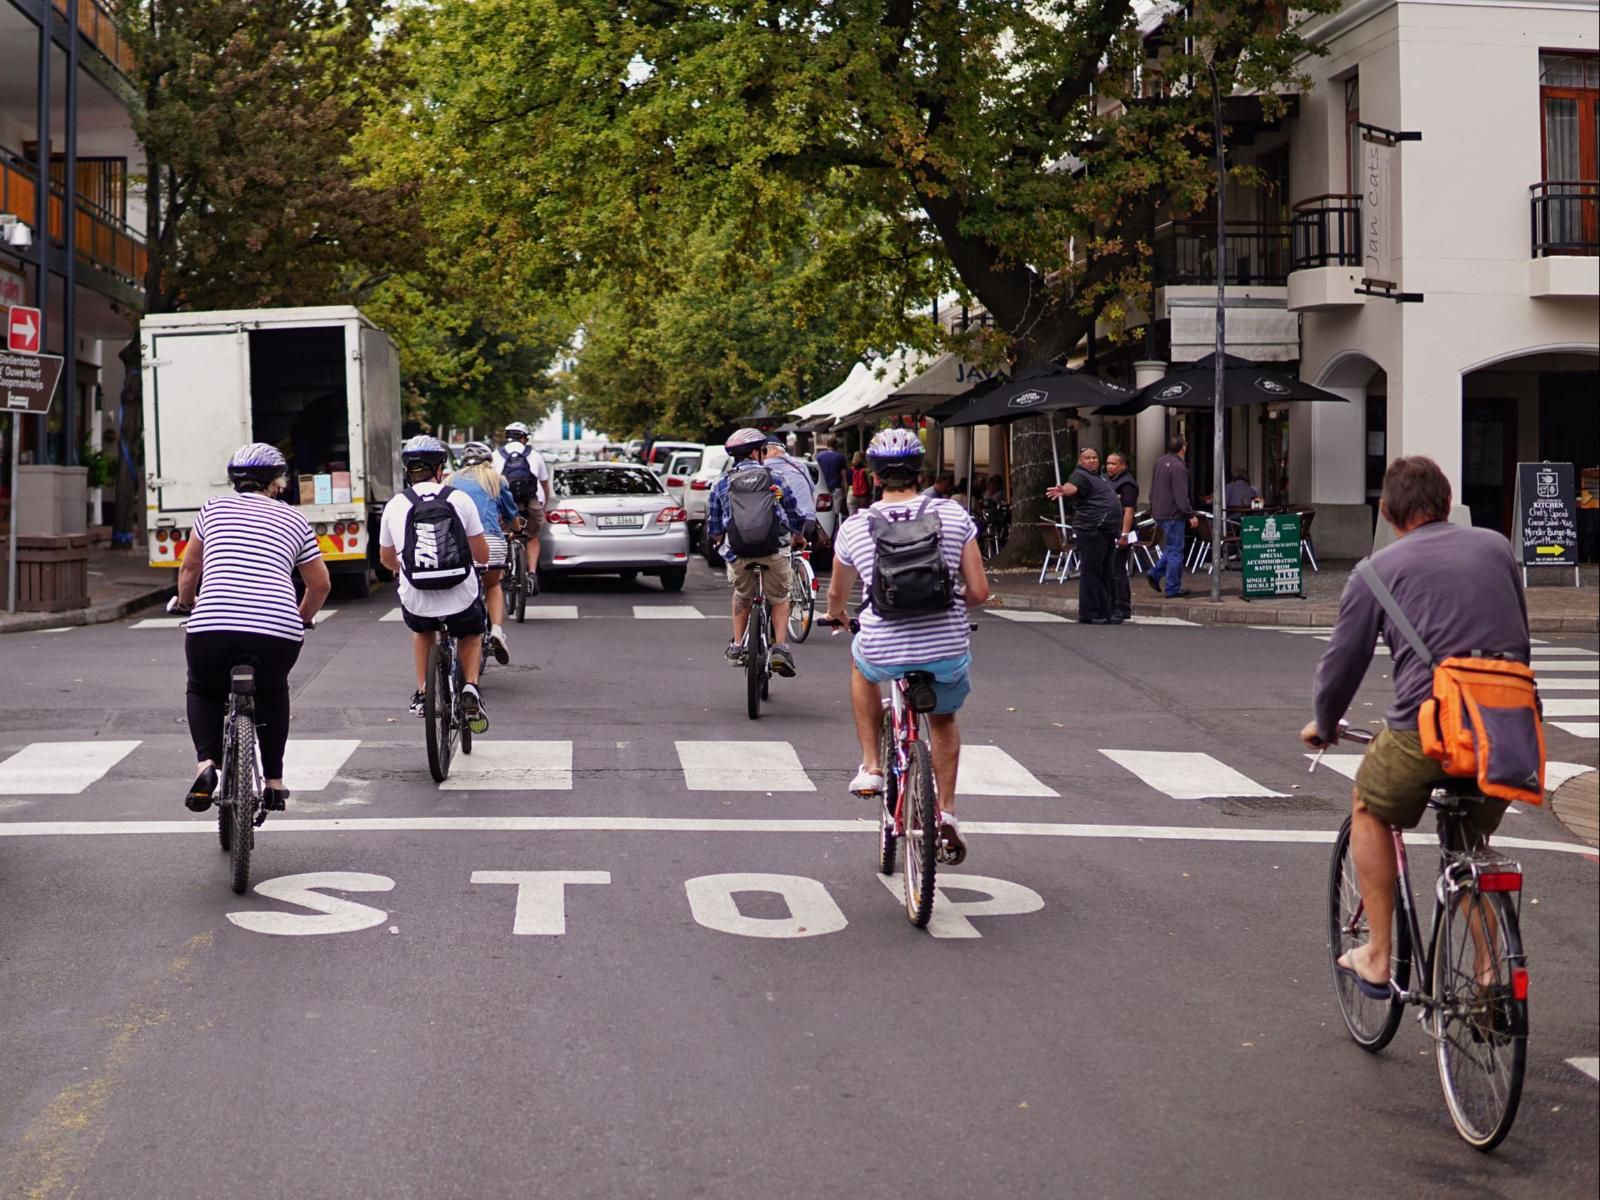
{"points": [[130, 444]]}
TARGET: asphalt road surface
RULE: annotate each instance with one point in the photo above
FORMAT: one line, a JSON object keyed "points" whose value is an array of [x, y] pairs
{"points": [[637, 948]]}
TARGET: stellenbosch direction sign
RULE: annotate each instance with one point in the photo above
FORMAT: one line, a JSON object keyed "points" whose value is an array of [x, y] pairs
{"points": [[27, 380]]}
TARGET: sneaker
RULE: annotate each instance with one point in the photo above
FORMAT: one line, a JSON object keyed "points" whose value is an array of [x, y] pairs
{"points": [[867, 783], [275, 799], [419, 703], [498, 646], [201, 790], [1181, 592], [734, 653], [952, 846], [477, 716], [780, 661], [1155, 584]]}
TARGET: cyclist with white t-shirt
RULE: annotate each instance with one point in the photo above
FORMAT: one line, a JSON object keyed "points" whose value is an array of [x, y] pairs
{"points": [[458, 608], [888, 648], [529, 481]]}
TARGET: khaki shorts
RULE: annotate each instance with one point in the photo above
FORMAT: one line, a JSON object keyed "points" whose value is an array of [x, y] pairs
{"points": [[535, 519], [779, 576], [1395, 780]]}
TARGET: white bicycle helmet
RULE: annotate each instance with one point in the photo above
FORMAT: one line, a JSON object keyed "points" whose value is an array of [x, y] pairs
{"points": [[896, 449], [744, 441], [256, 464]]}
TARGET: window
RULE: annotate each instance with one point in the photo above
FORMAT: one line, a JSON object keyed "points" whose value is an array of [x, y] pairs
{"points": [[1569, 104], [607, 481]]}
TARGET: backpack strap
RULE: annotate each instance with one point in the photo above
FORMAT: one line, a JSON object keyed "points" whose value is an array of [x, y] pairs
{"points": [[1385, 598], [411, 495]]}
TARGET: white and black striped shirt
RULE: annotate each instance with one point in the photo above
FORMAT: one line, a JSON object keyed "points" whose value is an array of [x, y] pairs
{"points": [[250, 545]]}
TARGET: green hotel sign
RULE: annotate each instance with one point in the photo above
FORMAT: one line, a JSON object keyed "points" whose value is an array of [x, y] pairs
{"points": [[1269, 554]]}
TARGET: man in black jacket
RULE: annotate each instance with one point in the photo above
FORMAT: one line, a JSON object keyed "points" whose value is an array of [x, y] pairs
{"points": [[1122, 482], [1172, 509], [1095, 516]]}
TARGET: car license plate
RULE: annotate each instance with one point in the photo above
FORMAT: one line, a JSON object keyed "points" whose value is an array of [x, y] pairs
{"points": [[621, 522]]}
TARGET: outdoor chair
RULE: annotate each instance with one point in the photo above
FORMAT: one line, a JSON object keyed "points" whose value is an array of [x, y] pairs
{"points": [[1058, 551], [1306, 517]]}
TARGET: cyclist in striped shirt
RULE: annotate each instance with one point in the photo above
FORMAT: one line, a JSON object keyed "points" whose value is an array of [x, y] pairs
{"points": [[237, 577], [937, 643]]}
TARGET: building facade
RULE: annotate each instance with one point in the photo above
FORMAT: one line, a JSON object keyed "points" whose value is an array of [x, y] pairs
{"points": [[65, 118]]}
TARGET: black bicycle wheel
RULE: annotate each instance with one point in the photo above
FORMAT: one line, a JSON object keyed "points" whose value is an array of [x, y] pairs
{"points": [[755, 662], [802, 603], [225, 826], [888, 840], [1479, 1020], [1372, 1023], [921, 818], [437, 717], [462, 728], [242, 802]]}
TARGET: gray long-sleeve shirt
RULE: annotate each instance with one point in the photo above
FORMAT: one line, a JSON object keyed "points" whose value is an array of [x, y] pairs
{"points": [[1462, 590], [1169, 489]]}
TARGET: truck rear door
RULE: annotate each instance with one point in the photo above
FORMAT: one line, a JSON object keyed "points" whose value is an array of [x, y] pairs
{"points": [[199, 411], [380, 413]]}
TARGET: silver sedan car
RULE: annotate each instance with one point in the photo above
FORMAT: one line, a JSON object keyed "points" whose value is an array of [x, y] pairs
{"points": [[616, 519]]}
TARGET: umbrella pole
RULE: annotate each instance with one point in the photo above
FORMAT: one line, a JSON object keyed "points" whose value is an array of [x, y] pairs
{"points": [[1218, 459], [1055, 461]]}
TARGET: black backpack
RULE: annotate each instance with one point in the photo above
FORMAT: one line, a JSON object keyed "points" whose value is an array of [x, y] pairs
{"points": [[518, 474], [909, 575], [436, 554], [755, 524]]}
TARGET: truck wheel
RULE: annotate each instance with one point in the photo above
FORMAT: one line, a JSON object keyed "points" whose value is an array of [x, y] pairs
{"points": [[353, 585]]}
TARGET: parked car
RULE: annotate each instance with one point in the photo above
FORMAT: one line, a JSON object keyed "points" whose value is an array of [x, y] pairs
{"points": [[698, 490], [613, 519], [680, 466], [660, 453]]}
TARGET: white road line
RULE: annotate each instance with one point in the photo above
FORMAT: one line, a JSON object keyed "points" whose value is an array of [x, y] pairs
{"points": [[553, 612], [1568, 685], [511, 767], [57, 629], [59, 768], [1029, 616], [1583, 729], [1317, 630], [1562, 706], [1557, 773], [1345, 764], [160, 623], [309, 766], [1589, 1066], [1187, 774], [667, 612], [324, 614], [1136, 619], [1564, 652], [1585, 665], [990, 771], [740, 766], [394, 614], [1168, 833]]}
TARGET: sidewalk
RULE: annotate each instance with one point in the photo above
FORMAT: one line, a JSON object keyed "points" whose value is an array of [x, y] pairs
{"points": [[1576, 804], [1554, 605], [120, 582]]}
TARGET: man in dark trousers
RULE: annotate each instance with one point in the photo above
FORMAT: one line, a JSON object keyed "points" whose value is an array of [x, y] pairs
{"points": [[1170, 506], [833, 466], [1126, 487], [1095, 517]]}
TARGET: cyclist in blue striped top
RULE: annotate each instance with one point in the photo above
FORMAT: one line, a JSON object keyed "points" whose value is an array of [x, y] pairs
{"points": [[237, 577], [889, 648]]}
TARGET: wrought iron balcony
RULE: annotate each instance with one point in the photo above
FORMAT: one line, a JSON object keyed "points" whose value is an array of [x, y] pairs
{"points": [[1326, 232], [1565, 217], [1256, 253]]}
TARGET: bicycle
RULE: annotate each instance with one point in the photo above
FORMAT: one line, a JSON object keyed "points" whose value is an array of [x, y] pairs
{"points": [[757, 644], [910, 808], [802, 595], [515, 578], [1472, 986], [444, 718]]}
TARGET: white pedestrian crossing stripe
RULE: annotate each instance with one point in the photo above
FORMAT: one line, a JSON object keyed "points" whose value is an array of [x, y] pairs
{"points": [[1136, 619], [394, 614], [1187, 774], [160, 623], [1558, 684], [512, 766], [990, 771], [739, 766], [553, 612], [1548, 664], [1564, 652], [1589, 1066], [310, 765], [1029, 616], [59, 768], [667, 612], [1345, 764], [1563, 706], [1555, 773], [1583, 729]]}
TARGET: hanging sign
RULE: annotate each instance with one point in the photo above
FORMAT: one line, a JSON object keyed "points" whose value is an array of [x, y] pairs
{"points": [[1269, 555], [1379, 201]]}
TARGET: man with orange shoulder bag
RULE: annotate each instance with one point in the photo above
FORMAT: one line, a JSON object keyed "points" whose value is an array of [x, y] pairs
{"points": [[1448, 601]]}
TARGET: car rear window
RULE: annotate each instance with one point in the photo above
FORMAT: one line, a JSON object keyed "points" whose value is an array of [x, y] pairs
{"points": [[607, 481]]}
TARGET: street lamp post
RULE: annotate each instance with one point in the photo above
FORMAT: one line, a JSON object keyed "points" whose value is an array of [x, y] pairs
{"points": [[1218, 409]]}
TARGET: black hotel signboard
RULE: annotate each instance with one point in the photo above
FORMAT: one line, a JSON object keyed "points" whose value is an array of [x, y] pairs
{"points": [[1547, 515]]}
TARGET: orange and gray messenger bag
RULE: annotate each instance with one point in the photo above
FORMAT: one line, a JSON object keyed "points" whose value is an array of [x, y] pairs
{"points": [[1483, 720]]}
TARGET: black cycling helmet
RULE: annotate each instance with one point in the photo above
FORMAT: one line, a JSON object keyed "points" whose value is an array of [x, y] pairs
{"points": [[255, 466]]}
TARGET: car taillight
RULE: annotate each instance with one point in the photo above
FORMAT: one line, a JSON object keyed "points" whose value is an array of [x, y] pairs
{"points": [[1500, 881], [564, 516], [824, 502], [700, 485], [668, 516]]}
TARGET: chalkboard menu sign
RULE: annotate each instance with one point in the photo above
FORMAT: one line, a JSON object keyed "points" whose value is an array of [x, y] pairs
{"points": [[1269, 555], [1547, 515]]}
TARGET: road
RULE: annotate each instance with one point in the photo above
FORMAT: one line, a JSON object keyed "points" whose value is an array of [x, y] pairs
{"points": [[637, 947]]}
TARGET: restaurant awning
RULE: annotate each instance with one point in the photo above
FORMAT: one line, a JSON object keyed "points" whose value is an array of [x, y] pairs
{"points": [[884, 378]]}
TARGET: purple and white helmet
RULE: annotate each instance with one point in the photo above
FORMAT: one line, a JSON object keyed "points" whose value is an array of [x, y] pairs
{"points": [[895, 449], [256, 463]]}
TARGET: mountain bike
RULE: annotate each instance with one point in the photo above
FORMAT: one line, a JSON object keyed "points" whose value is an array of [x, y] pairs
{"points": [[757, 644], [444, 720], [1471, 974], [802, 595]]}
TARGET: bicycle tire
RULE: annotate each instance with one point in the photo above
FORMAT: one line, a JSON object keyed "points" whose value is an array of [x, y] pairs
{"points": [[802, 603], [1469, 1028], [437, 716], [888, 840], [241, 807], [921, 817], [463, 728], [755, 664], [1371, 1023], [225, 826]]}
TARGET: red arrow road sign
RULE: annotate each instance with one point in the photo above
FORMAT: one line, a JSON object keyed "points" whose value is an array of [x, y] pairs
{"points": [[22, 331]]}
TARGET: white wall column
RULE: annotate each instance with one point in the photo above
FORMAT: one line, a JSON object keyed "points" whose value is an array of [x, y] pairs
{"points": [[1149, 427], [962, 448], [1327, 471]]}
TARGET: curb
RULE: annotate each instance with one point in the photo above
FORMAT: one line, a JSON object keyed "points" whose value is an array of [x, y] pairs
{"points": [[95, 614], [1206, 613]]}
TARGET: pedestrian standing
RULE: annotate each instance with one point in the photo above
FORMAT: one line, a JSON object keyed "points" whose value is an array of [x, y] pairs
{"points": [[1095, 518], [1122, 482], [860, 484], [1172, 510], [835, 468]]}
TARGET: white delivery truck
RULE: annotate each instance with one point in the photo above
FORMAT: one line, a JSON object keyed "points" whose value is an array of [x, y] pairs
{"points": [[321, 384]]}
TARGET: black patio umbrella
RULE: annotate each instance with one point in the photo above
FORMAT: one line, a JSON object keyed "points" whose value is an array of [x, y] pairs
{"points": [[1034, 392], [1244, 382]]}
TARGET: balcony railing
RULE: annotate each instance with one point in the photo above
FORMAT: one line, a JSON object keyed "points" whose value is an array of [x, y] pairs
{"points": [[97, 24], [1326, 232], [102, 240], [1565, 215], [1257, 253]]}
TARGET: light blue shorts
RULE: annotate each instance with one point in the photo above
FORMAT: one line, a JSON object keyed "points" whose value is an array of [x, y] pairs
{"points": [[952, 683]]}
